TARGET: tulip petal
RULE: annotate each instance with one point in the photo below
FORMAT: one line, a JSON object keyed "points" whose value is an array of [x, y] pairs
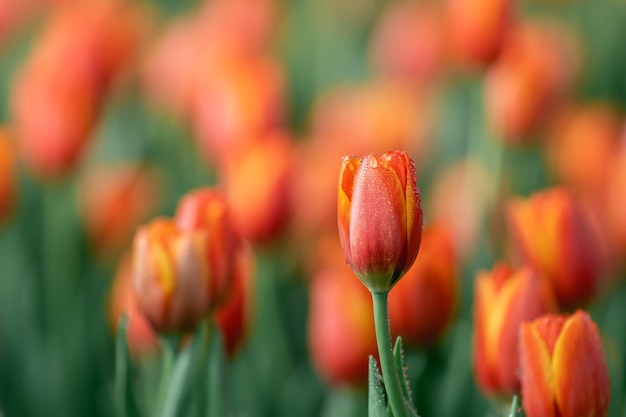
{"points": [[349, 167], [582, 385], [537, 379], [414, 217], [483, 297]]}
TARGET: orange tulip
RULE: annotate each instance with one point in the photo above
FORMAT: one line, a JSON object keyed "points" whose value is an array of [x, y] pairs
{"points": [[341, 327], [423, 303], [7, 177], [477, 29], [563, 369], [380, 217], [114, 200], [554, 234], [257, 185], [234, 316], [142, 339], [503, 300], [170, 275], [205, 210]]}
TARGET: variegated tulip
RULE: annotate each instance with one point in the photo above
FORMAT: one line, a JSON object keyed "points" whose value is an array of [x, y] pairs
{"points": [[563, 369], [380, 217], [504, 299]]}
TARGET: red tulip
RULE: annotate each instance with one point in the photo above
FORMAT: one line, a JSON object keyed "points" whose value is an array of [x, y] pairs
{"points": [[170, 275], [503, 300], [380, 217], [7, 177], [563, 369], [205, 210]]}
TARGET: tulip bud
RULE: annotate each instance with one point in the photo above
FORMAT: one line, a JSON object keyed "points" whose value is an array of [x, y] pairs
{"points": [[380, 217], [423, 303], [503, 300], [554, 234], [341, 327], [205, 210], [234, 316], [170, 275], [563, 369]]}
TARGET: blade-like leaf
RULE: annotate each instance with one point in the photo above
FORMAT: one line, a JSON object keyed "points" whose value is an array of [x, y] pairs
{"points": [[376, 396], [126, 403], [401, 369], [217, 383]]}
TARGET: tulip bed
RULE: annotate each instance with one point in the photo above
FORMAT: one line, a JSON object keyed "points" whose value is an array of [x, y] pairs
{"points": [[257, 208]]}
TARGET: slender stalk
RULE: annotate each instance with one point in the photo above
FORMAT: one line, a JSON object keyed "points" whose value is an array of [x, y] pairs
{"points": [[385, 353], [169, 345]]}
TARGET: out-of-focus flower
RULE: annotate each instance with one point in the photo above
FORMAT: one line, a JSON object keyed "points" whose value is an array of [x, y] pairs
{"points": [[142, 339], [341, 327], [461, 194], [257, 186], [234, 317], [563, 368], [582, 145], [8, 181], [114, 200], [477, 28], [205, 210], [55, 105], [408, 44], [237, 102], [170, 275], [372, 118], [423, 303], [552, 232], [616, 201], [380, 217], [533, 72], [503, 300]]}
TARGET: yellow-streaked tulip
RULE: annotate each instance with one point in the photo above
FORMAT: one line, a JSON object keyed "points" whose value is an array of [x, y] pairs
{"points": [[563, 368], [170, 275], [504, 299], [380, 217]]}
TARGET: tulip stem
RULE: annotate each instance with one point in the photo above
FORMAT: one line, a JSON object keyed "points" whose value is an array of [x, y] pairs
{"points": [[385, 353]]}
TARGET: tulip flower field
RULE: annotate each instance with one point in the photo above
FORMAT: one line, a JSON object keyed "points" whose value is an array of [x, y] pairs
{"points": [[315, 208]]}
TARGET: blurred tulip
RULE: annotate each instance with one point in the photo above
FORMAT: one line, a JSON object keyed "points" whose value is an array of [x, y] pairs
{"points": [[424, 302], [563, 368], [341, 327], [257, 185], [582, 145], [533, 72], [503, 300], [408, 42], [237, 101], [8, 180], [205, 210], [380, 217], [114, 200], [234, 317], [142, 339], [477, 29], [170, 275], [552, 232], [616, 201]]}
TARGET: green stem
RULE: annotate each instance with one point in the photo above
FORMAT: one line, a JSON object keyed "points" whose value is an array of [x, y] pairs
{"points": [[169, 345], [385, 353]]}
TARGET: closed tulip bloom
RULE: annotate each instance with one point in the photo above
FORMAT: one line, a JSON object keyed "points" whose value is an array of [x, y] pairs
{"points": [[563, 368], [422, 305], [380, 217], [554, 234], [170, 275], [504, 299], [206, 210]]}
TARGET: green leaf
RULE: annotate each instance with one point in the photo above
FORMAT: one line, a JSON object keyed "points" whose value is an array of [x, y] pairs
{"points": [[216, 372], [376, 396], [125, 399], [401, 369], [516, 408], [185, 375]]}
